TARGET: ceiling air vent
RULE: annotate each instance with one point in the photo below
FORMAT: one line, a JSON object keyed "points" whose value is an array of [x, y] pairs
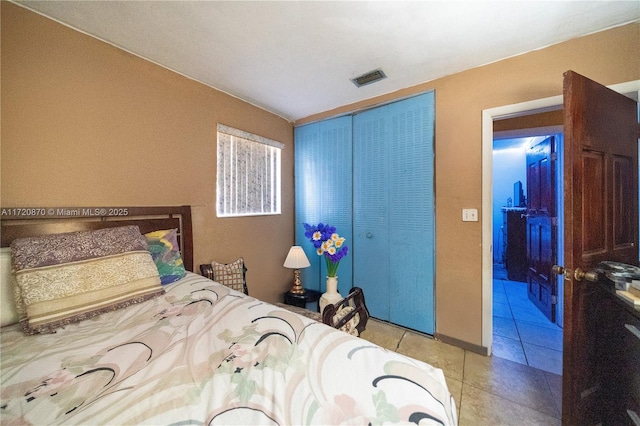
{"points": [[368, 78]]}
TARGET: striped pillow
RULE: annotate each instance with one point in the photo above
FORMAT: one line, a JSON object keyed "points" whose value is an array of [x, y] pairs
{"points": [[64, 278]]}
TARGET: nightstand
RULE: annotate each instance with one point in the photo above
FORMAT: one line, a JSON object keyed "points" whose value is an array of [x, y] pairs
{"points": [[301, 299]]}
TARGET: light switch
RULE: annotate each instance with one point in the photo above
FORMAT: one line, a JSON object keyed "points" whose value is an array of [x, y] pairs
{"points": [[469, 215]]}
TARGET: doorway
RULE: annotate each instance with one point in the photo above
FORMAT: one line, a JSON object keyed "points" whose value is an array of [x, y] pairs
{"points": [[524, 329], [488, 117]]}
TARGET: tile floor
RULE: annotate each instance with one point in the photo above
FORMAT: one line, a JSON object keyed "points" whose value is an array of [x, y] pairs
{"points": [[521, 384], [521, 333], [488, 390]]}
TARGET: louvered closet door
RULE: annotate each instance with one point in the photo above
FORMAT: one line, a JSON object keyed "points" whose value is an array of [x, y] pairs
{"points": [[371, 209], [323, 156], [394, 210]]}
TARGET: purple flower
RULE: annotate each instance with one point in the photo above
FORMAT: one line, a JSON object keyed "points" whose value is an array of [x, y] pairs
{"points": [[327, 243]]}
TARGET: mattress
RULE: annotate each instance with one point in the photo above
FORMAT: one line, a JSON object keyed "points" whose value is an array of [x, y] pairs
{"points": [[205, 354]]}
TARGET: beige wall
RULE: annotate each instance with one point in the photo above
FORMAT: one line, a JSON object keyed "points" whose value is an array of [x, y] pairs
{"points": [[85, 124], [608, 57]]}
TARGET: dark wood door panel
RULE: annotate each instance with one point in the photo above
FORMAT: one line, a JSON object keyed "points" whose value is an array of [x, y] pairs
{"points": [[541, 294], [541, 228], [533, 186], [594, 206], [599, 122], [601, 212], [547, 185], [623, 222]]}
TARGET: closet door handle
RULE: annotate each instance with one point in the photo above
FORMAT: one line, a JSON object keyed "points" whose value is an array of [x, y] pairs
{"points": [[634, 330], [369, 235]]}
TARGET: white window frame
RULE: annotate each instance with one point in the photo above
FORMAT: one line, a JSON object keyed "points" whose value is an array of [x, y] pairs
{"points": [[248, 174]]}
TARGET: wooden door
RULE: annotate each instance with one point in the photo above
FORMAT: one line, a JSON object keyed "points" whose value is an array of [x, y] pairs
{"points": [[601, 223], [542, 226]]}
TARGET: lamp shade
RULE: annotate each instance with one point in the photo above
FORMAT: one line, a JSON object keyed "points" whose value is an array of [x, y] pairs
{"points": [[296, 258]]}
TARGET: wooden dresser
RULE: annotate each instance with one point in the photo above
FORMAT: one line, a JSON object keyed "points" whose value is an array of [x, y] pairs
{"points": [[619, 344], [515, 226]]}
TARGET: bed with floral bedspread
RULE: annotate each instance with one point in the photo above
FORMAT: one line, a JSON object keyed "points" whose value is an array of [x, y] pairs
{"points": [[204, 354]]}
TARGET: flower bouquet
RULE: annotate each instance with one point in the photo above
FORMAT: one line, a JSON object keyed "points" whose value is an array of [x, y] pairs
{"points": [[327, 243]]}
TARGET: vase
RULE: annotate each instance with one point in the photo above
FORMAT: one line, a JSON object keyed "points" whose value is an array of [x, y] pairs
{"points": [[331, 296]]}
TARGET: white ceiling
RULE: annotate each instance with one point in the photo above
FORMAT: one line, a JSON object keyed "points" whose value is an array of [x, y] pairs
{"points": [[296, 58]]}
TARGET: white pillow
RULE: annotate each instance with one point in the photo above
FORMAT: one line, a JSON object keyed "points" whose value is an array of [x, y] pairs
{"points": [[8, 313]]}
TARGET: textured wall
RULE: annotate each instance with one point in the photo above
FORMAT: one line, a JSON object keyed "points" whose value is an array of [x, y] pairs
{"points": [[609, 57], [87, 124]]}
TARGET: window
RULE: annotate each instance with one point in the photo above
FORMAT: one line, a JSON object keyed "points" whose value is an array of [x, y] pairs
{"points": [[248, 174]]}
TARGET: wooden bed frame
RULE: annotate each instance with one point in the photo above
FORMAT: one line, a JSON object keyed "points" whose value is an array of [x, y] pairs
{"points": [[29, 222]]}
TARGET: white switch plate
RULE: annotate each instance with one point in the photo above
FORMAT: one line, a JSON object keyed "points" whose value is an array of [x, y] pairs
{"points": [[469, 215]]}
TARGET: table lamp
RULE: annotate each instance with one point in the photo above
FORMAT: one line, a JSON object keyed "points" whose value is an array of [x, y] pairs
{"points": [[295, 260]]}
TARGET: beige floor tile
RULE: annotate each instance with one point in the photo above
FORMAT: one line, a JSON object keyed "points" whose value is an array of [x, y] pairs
{"points": [[481, 408], [455, 389], [543, 358], [487, 390], [441, 355], [383, 334], [555, 384], [511, 349], [505, 327], [510, 380]]}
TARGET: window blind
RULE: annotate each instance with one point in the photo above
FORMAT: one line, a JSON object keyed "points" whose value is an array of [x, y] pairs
{"points": [[248, 174]]}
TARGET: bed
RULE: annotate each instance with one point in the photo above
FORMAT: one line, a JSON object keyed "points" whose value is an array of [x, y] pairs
{"points": [[198, 353]]}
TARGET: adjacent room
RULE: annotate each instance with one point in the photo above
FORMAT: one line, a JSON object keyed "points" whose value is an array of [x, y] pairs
{"points": [[527, 324], [393, 155]]}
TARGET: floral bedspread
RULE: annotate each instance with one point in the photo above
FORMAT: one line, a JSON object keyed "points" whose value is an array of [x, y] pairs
{"points": [[205, 354]]}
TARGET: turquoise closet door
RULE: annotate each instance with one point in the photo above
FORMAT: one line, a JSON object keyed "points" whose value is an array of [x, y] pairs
{"points": [[323, 179], [371, 209], [394, 210]]}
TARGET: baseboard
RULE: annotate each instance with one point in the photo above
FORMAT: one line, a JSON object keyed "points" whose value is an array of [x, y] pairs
{"points": [[462, 344]]}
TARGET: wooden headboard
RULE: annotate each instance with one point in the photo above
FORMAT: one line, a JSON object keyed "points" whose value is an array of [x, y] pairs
{"points": [[29, 222]]}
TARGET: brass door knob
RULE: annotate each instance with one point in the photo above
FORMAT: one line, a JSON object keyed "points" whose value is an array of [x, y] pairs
{"points": [[557, 269], [590, 276]]}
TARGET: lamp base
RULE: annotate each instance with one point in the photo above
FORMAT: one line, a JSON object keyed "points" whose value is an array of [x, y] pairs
{"points": [[297, 286]]}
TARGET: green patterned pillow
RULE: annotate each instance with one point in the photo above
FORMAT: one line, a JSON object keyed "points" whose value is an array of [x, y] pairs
{"points": [[164, 248]]}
